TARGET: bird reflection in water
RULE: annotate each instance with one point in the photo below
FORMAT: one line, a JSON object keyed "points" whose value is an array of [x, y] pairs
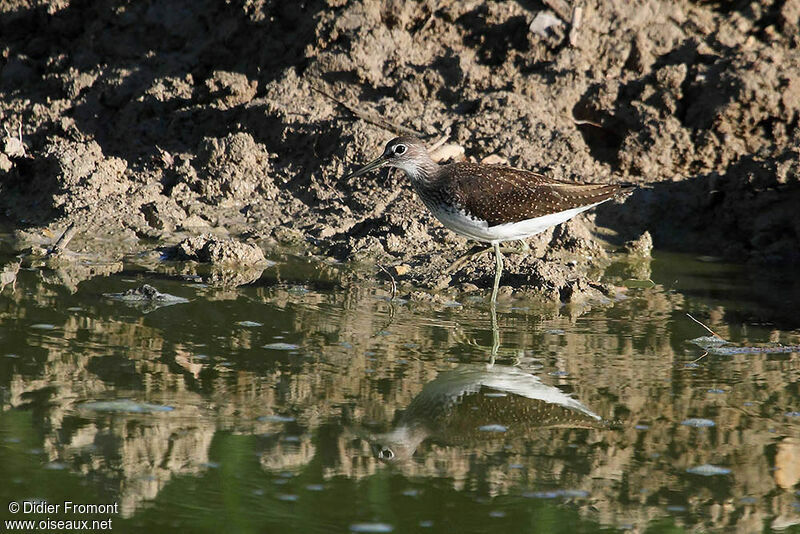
{"points": [[471, 403]]}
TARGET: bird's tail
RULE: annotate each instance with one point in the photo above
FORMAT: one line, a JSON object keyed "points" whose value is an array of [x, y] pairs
{"points": [[625, 190]]}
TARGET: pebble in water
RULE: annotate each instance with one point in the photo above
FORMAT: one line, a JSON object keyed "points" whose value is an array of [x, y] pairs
{"points": [[249, 323]]}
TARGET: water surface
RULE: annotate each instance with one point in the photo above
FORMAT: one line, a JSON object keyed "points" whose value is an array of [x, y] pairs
{"points": [[299, 404]]}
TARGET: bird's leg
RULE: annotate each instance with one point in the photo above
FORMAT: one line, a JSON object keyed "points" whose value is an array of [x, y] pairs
{"points": [[473, 253], [495, 336], [498, 270]]}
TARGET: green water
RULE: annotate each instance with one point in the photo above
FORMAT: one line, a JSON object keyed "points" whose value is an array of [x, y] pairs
{"points": [[264, 408]]}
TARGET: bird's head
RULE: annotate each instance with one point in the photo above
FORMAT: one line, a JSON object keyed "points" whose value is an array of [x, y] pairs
{"points": [[391, 453], [406, 153], [399, 444]]}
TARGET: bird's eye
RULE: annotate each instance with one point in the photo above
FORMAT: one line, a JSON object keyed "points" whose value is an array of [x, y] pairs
{"points": [[400, 149], [386, 454]]}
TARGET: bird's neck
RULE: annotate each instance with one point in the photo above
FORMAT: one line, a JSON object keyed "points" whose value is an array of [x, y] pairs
{"points": [[420, 171]]}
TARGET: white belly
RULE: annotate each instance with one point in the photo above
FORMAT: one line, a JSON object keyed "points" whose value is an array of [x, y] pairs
{"points": [[478, 230]]}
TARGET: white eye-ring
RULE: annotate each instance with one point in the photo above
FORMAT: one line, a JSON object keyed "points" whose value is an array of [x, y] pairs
{"points": [[399, 149]]}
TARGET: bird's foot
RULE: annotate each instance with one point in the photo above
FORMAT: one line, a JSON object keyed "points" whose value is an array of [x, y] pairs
{"points": [[522, 249]]}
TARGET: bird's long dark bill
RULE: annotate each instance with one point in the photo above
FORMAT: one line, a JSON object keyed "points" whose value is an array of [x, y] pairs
{"points": [[372, 165]]}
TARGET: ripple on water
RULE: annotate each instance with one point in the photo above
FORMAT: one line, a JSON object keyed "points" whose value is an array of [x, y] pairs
{"points": [[698, 422], [554, 494], [55, 466], [124, 406], [281, 346], [492, 428], [708, 470], [276, 418], [371, 527]]}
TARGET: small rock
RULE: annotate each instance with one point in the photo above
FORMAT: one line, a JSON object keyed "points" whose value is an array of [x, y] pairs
{"points": [[451, 152], [543, 21], [194, 221], [494, 159], [401, 270]]}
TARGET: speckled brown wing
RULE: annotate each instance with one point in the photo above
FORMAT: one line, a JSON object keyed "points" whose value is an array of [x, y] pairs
{"points": [[501, 195]]}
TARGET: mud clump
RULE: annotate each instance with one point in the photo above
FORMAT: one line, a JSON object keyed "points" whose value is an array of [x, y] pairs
{"points": [[207, 248], [641, 247], [219, 261], [146, 297], [232, 169], [78, 175], [145, 123]]}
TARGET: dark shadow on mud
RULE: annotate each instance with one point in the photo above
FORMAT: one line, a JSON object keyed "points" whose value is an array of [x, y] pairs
{"points": [[739, 210], [731, 214], [494, 41]]}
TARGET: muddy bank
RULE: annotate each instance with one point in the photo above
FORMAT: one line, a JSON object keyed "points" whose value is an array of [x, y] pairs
{"points": [[149, 123]]}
